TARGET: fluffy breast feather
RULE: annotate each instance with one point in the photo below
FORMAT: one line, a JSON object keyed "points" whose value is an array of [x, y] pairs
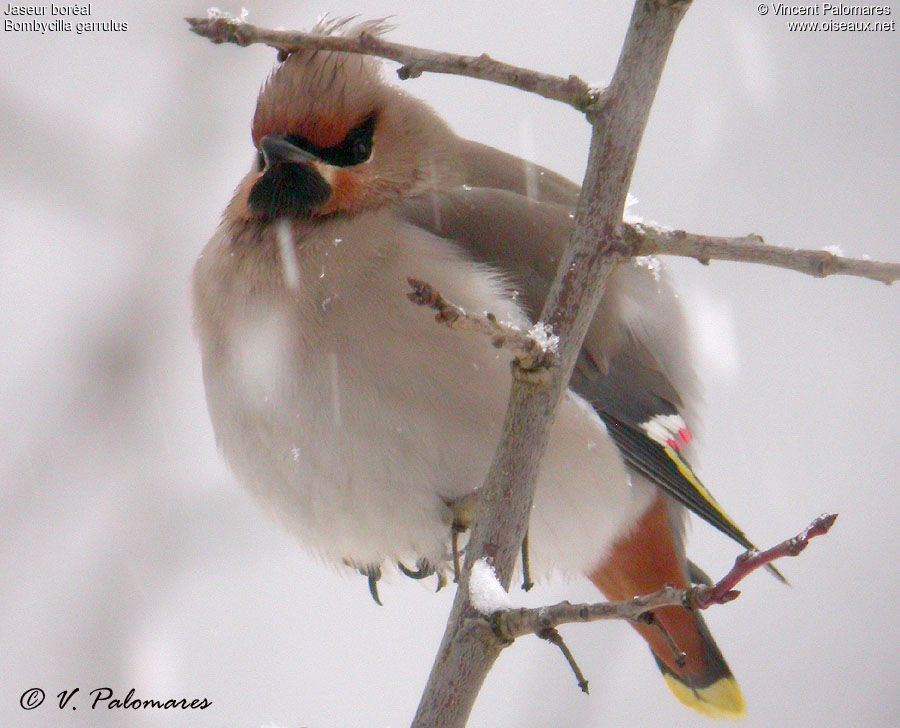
{"points": [[354, 416]]}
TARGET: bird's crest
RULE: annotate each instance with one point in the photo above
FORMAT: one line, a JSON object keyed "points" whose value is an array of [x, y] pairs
{"points": [[321, 92]]}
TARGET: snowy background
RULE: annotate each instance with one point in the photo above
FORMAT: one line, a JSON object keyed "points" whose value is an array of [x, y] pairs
{"points": [[129, 557]]}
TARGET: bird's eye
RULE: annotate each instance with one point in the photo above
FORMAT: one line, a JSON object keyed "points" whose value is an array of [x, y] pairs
{"points": [[360, 151], [357, 145], [260, 162]]}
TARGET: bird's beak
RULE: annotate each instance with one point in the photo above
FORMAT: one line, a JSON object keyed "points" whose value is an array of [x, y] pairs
{"points": [[276, 149], [295, 182]]}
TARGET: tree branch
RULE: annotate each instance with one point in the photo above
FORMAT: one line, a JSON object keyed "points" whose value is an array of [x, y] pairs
{"points": [[599, 242], [618, 119], [648, 239], [512, 623], [643, 239], [413, 61]]}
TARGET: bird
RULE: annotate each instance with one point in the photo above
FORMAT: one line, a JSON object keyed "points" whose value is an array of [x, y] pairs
{"points": [[365, 428]]}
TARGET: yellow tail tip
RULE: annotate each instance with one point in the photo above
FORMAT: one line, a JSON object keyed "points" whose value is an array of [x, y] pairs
{"points": [[721, 700]]}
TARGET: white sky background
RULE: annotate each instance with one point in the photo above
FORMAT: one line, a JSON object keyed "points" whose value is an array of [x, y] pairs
{"points": [[129, 557]]}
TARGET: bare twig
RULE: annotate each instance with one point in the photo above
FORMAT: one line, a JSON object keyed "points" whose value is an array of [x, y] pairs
{"points": [[554, 637], [414, 61], [513, 623], [534, 350], [646, 239], [527, 583]]}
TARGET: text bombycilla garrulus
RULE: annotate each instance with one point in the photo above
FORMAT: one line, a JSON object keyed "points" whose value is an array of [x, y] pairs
{"points": [[361, 423]]}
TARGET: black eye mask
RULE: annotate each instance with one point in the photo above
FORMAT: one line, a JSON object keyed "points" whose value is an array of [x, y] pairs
{"points": [[356, 147]]}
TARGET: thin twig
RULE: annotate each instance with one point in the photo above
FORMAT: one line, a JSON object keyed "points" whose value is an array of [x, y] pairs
{"points": [[513, 623], [534, 350], [647, 239], [413, 61], [527, 583], [724, 591], [554, 637], [680, 655]]}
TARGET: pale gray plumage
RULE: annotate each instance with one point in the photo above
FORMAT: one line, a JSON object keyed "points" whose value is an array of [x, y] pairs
{"points": [[355, 418]]}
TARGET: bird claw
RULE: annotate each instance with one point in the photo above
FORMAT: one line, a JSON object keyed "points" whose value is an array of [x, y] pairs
{"points": [[373, 574], [425, 569]]}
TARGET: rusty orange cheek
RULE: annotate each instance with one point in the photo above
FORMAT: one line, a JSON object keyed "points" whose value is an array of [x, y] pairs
{"points": [[347, 191], [239, 207]]}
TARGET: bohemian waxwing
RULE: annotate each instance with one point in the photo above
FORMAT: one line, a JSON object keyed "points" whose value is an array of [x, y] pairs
{"points": [[360, 423]]}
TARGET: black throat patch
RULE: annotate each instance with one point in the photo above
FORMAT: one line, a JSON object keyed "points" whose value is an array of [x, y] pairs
{"points": [[289, 190]]}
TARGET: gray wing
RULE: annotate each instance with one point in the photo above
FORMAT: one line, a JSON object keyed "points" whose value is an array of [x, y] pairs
{"points": [[632, 362], [489, 168], [616, 371]]}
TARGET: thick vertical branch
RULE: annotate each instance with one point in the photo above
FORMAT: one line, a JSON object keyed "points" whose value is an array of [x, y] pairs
{"points": [[466, 654]]}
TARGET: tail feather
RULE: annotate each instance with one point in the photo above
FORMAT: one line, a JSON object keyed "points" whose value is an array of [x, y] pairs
{"points": [[642, 562], [704, 682], [721, 700]]}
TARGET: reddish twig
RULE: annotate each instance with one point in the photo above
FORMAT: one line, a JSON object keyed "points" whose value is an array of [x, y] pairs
{"points": [[723, 591], [512, 623]]}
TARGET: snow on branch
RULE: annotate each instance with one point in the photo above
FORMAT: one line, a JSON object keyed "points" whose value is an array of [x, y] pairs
{"points": [[535, 349], [221, 28], [486, 593]]}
